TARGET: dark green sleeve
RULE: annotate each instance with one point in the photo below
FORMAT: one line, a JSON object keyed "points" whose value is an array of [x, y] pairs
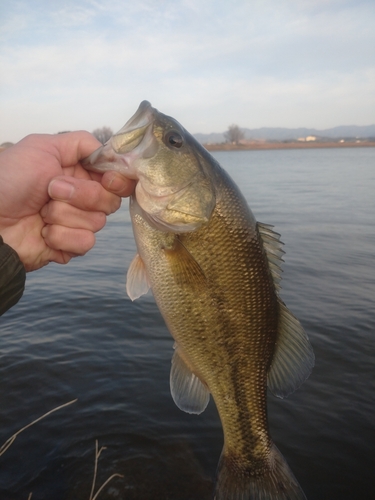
{"points": [[12, 277]]}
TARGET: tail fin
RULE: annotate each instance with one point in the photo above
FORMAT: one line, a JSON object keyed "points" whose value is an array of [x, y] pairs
{"points": [[278, 483]]}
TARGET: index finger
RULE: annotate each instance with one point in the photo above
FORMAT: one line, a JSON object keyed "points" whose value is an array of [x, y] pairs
{"points": [[71, 147]]}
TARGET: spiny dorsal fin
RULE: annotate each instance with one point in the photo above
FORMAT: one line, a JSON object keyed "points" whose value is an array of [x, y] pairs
{"points": [[273, 247], [137, 283], [188, 392], [293, 358]]}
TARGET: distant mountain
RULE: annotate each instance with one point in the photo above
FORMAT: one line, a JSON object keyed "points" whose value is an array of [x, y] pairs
{"points": [[285, 134]]}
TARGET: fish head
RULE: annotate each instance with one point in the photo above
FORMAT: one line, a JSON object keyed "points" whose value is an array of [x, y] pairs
{"points": [[174, 189]]}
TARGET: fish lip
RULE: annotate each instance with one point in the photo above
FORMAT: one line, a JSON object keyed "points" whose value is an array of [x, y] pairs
{"points": [[131, 135], [141, 118], [105, 158]]}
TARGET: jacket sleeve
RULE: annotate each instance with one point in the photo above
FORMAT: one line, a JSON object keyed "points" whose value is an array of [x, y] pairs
{"points": [[12, 277]]}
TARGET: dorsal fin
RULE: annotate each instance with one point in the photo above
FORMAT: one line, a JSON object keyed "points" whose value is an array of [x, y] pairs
{"points": [[293, 358], [273, 247]]}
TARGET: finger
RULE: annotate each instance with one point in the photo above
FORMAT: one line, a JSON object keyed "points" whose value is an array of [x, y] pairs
{"points": [[63, 214], [72, 241], [72, 147], [117, 183], [83, 194], [57, 256]]}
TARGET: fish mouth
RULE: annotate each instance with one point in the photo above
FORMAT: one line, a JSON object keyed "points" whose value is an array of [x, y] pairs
{"points": [[132, 133], [133, 140]]}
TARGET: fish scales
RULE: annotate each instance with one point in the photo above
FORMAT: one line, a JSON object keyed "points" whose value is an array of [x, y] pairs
{"points": [[224, 341], [214, 272]]}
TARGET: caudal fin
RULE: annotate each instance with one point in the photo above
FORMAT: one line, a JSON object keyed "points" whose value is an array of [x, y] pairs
{"points": [[278, 483]]}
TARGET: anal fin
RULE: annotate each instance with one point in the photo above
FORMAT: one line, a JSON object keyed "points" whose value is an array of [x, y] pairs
{"points": [[188, 392]]}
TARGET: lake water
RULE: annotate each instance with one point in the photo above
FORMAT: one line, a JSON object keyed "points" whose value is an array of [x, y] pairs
{"points": [[75, 334]]}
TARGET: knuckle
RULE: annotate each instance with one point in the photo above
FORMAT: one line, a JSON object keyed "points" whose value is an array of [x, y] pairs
{"points": [[87, 243], [100, 221], [114, 203], [68, 240], [50, 235], [50, 212]]}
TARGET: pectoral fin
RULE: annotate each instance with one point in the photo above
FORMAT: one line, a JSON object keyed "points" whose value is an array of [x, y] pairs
{"points": [[293, 359], [185, 269], [137, 283], [188, 392]]}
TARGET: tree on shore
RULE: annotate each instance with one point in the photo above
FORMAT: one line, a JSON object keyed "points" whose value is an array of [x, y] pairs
{"points": [[103, 134], [234, 134]]}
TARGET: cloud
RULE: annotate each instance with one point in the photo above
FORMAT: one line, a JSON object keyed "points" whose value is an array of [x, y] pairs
{"points": [[84, 64]]}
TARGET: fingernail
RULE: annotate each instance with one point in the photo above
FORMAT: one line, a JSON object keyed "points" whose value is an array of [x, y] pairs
{"points": [[60, 190]]}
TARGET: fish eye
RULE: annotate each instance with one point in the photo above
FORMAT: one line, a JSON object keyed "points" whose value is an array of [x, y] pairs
{"points": [[174, 139]]}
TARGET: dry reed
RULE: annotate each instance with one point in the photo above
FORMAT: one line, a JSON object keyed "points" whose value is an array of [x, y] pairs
{"points": [[97, 455], [11, 440]]}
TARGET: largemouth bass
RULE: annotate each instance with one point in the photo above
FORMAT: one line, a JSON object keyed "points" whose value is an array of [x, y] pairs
{"points": [[214, 272]]}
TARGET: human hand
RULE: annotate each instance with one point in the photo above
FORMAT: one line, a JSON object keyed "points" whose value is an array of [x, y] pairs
{"points": [[50, 206]]}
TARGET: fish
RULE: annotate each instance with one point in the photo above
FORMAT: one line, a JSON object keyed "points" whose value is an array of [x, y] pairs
{"points": [[215, 275]]}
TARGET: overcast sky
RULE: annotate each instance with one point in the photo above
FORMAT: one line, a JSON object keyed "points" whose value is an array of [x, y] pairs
{"points": [[83, 64]]}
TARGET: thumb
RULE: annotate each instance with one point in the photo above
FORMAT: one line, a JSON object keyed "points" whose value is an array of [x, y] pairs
{"points": [[118, 184]]}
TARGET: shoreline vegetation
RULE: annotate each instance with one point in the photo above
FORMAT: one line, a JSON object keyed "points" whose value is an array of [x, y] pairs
{"points": [[260, 145], [253, 145]]}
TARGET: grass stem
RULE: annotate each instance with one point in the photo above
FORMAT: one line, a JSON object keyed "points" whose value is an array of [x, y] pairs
{"points": [[11, 440]]}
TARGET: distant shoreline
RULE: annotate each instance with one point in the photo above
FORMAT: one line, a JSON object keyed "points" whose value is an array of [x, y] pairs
{"points": [[287, 145]]}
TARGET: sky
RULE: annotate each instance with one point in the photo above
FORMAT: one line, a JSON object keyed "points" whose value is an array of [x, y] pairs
{"points": [[85, 64]]}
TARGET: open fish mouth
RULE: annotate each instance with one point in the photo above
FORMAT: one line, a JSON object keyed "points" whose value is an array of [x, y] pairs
{"points": [[133, 140], [132, 133]]}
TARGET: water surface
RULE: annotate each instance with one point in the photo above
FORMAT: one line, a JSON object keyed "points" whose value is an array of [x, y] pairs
{"points": [[75, 334]]}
